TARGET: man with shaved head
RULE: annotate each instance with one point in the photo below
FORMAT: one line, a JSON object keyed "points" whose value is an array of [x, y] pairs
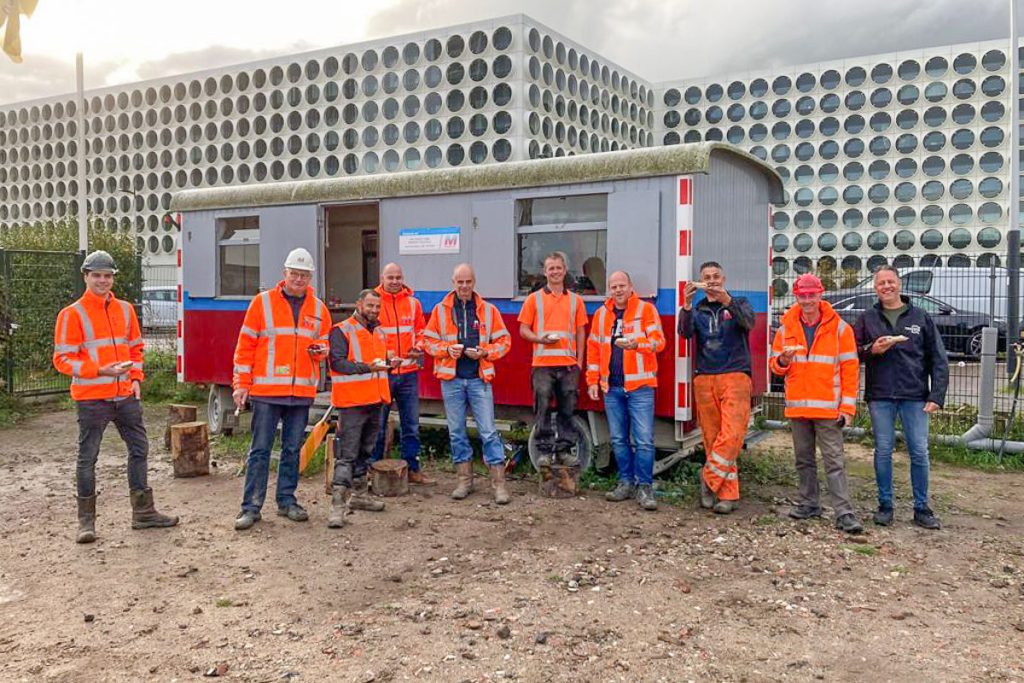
{"points": [[402, 322], [622, 349], [466, 336]]}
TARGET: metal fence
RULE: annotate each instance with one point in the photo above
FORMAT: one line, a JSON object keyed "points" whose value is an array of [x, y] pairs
{"points": [[962, 294], [36, 285]]}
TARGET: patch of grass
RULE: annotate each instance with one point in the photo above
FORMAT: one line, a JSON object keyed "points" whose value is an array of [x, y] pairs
{"points": [[988, 461], [224, 602], [767, 520], [767, 468], [861, 549], [592, 480], [12, 410]]}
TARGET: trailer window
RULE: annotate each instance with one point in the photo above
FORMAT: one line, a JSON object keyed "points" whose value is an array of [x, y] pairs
{"points": [[576, 225], [238, 256]]}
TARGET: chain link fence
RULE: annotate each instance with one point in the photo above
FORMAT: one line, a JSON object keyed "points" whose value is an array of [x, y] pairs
{"points": [[963, 294]]}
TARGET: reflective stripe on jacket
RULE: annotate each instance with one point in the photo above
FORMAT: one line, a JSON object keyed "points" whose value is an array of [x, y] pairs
{"points": [[364, 388], [641, 323], [91, 333], [272, 354], [561, 315], [402, 322], [821, 381], [442, 332]]}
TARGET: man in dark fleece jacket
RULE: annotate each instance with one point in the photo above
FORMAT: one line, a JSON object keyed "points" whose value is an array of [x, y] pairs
{"points": [[906, 375], [719, 325]]}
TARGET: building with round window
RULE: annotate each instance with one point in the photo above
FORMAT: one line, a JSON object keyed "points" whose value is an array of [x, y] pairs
{"points": [[900, 158], [492, 91]]}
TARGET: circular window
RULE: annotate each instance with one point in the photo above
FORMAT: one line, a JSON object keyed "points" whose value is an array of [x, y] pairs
{"points": [[827, 241], [879, 145], [991, 162], [961, 164], [931, 239], [803, 242], [906, 143], [780, 243], [781, 85], [904, 216], [877, 217], [935, 91], [692, 95], [853, 171], [881, 97], [856, 76], [878, 193], [828, 195], [909, 70], [878, 169], [878, 240], [933, 190], [903, 240], [932, 214], [780, 220], [993, 60], [907, 95], [959, 238], [853, 194], [934, 141], [781, 108], [736, 90], [882, 73], [830, 103], [933, 166], [852, 241], [993, 85], [803, 220], [907, 119], [964, 89], [961, 189], [852, 218], [854, 124], [992, 111], [989, 238], [880, 121], [828, 173], [803, 197], [672, 97], [805, 82], [905, 192], [990, 212], [853, 148], [780, 153], [960, 214], [962, 139], [990, 187], [991, 137], [855, 99]]}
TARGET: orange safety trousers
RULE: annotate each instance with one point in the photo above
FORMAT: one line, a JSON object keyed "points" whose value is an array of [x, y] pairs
{"points": [[723, 411]]}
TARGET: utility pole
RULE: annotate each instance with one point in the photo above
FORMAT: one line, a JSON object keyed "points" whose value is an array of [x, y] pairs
{"points": [[1013, 225], [83, 159]]}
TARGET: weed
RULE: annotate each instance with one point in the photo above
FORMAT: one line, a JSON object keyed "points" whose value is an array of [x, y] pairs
{"points": [[224, 602], [981, 460], [867, 550]]}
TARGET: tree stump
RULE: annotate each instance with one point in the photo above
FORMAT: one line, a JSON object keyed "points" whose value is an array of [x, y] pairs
{"points": [[559, 481], [190, 449], [176, 414], [390, 477], [329, 464]]}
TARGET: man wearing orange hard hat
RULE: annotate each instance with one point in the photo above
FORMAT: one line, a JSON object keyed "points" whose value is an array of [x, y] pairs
{"points": [[815, 350]]}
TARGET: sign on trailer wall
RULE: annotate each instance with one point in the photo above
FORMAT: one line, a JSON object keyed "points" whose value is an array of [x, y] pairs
{"points": [[414, 241]]}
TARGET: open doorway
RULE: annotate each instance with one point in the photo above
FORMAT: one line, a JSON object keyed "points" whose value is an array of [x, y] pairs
{"points": [[350, 255]]}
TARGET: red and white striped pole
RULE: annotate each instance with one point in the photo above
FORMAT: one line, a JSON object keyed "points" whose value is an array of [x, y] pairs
{"points": [[684, 271]]}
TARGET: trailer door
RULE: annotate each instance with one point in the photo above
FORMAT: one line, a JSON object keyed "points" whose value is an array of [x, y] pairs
{"points": [[633, 237], [283, 228]]}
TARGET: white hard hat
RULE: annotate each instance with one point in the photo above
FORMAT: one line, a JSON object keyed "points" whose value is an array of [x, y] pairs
{"points": [[299, 259]]}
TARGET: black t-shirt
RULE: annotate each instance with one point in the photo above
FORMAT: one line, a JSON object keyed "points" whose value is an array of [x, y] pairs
{"points": [[616, 376], [469, 336]]}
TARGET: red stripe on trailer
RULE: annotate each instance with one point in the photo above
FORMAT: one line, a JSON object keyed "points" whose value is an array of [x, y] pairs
{"points": [[684, 191], [684, 242], [179, 329], [683, 392], [179, 362], [179, 258], [179, 293]]}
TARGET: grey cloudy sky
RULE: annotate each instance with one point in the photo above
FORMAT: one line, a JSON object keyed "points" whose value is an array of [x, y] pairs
{"points": [[129, 40]]}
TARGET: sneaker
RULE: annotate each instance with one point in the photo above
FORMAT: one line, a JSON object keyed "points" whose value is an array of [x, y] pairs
{"points": [[724, 507], [805, 512], [883, 517], [623, 491], [925, 519], [246, 520], [849, 523], [645, 497], [707, 496], [294, 512]]}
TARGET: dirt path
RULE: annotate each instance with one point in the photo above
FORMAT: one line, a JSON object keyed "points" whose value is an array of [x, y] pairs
{"points": [[541, 590]]}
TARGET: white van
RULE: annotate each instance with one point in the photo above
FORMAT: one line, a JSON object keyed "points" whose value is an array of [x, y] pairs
{"points": [[967, 289]]}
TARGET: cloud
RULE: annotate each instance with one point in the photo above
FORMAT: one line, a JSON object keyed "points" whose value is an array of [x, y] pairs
{"points": [[42, 76], [211, 57]]}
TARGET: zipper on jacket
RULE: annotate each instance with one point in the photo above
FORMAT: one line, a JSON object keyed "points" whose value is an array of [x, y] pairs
{"points": [[110, 329]]}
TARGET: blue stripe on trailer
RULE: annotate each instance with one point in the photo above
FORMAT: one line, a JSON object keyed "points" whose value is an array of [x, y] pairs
{"points": [[665, 302]]}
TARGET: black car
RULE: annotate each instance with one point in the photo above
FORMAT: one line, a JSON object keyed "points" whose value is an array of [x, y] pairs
{"points": [[960, 330]]}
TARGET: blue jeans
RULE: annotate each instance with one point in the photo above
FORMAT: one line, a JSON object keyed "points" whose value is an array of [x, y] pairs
{"points": [[405, 391], [475, 394], [915, 430], [265, 417], [631, 423]]}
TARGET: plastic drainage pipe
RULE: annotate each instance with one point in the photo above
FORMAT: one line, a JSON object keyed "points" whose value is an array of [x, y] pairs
{"points": [[978, 436]]}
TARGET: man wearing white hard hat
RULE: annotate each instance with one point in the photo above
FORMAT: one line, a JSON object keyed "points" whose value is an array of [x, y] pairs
{"points": [[276, 370]]}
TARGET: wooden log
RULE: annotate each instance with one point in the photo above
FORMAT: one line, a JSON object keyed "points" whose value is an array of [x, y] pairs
{"points": [[329, 464], [389, 477], [559, 481], [176, 414], [190, 449]]}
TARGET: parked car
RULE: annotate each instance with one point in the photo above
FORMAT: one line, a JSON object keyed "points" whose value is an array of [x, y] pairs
{"points": [[960, 329], [963, 288], [159, 307]]}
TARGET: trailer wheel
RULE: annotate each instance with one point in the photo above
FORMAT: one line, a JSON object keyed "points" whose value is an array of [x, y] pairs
{"points": [[219, 415], [584, 445]]}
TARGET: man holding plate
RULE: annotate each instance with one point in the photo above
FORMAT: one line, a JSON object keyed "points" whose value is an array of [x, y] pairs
{"points": [[906, 374]]}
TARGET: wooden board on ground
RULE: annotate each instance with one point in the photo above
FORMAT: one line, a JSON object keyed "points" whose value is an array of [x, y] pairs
{"points": [[559, 481], [389, 477], [176, 414], [190, 449]]}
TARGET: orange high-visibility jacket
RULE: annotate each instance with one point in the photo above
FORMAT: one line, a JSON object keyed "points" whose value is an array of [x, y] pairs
{"points": [[641, 323], [442, 332], [821, 381], [365, 388], [402, 322], [91, 333], [272, 354], [563, 315]]}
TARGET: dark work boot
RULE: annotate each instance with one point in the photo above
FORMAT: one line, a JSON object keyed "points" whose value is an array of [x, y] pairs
{"points": [[883, 516], [707, 496], [849, 523], [926, 519], [622, 491], [805, 512], [144, 514], [361, 498], [86, 519]]}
